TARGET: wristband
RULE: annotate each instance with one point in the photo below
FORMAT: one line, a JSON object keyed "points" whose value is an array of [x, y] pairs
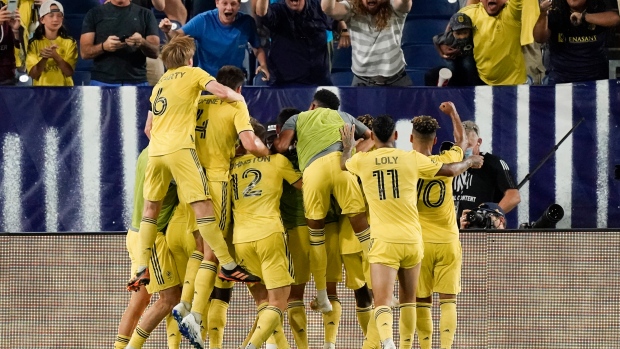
{"points": [[102, 48]]}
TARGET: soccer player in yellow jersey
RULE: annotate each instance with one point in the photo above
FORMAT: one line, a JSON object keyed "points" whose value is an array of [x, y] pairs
{"points": [[259, 236], [219, 124], [441, 266], [172, 154], [389, 178]]}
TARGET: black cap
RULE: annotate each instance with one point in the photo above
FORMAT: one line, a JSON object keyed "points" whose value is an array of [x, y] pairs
{"points": [[460, 21], [491, 206]]}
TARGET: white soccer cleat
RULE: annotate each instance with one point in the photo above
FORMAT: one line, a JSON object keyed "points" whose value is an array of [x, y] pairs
{"points": [[329, 346], [320, 307], [190, 326], [178, 313], [388, 344]]}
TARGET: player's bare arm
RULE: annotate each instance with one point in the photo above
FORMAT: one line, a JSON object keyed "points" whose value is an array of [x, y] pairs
{"points": [[456, 168], [449, 109], [284, 141]]}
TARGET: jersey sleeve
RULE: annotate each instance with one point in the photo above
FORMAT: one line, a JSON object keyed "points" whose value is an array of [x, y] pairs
{"points": [[454, 154], [427, 168], [285, 167], [242, 119], [353, 164], [291, 123], [201, 77]]}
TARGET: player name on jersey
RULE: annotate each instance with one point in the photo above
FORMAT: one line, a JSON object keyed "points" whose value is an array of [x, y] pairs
{"points": [[386, 160]]}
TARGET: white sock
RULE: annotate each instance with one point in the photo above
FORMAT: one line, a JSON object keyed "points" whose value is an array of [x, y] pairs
{"points": [[229, 266], [321, 296], [388, 344], [329, 346], [271, 346], [187, 305], [198, 317], [250, 346]]}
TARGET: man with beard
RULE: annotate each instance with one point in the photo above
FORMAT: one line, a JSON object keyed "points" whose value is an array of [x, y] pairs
{"points": [[222, 35], [376, 29]]}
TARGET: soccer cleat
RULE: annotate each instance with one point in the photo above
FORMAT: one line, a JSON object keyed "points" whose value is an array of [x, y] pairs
{"points": [[141, 278], [238, 274], [178, 313], [388, 344], [321, 308], [190, 329]]}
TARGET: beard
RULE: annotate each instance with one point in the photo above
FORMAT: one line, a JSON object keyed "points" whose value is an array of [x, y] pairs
{"points": [[382, 12]]}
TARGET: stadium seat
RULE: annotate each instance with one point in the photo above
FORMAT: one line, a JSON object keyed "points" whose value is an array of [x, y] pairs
{"points": [[343, 78], [421, 56], [433, 9], [417, 76], [341, 61], [81, 78], [422, 30]]}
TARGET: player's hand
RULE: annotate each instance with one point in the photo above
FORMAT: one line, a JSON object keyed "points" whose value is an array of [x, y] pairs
{"points": [[113, 43], [347, 133], [464, 224], [447, 108], [545, 5], [165, 25], [135, 40], [476, 161], [263, 70]]}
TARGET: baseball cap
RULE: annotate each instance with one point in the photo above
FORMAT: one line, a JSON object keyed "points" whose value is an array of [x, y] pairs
{"points": [[271, 129], [460, 21], [491, 206], [46, 8]]}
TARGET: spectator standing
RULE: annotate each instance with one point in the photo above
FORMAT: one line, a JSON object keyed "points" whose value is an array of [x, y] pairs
{"points": [[576, 31], [497, 39], [9, 40], [52, 53], [491, 183], [299, 53], [376, 29], [222, 35], [119, 35]]}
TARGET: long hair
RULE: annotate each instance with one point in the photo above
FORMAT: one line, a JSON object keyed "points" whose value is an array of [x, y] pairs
{"points": [[382, 18], [39, 33]]}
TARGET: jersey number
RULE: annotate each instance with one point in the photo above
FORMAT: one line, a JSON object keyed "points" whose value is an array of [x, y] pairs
{"points": [[202, 127], [426, 196], [160, 104], [381, 183], [249, 190]]}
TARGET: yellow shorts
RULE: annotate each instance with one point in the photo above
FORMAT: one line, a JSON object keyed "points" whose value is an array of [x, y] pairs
{"points": [[323, 178], [395, 256], [357, 271], [180, 237], [161, 265], [268, 259], [299, 243], [184, 167], [221, 198], [441, 269], [334, 261]]}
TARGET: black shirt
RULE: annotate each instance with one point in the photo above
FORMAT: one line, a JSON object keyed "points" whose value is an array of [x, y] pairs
{"points": [[577, 53], [129, 63], [487, 184]]}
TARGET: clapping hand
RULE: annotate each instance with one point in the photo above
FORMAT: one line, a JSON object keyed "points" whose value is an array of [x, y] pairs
{"points": [[49, 51]]}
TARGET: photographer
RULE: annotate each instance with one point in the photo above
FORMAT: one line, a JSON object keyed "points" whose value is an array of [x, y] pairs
{"points": [[491, 183], [487, 216]]}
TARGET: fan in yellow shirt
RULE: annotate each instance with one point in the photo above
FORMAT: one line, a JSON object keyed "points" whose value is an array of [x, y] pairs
{"points": [[389, 178], [52, 53]]}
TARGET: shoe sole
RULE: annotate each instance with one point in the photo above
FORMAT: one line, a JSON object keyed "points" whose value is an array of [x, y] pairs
{"points": [[182, 328], [135, 285], [227, 278], [192, 339]]}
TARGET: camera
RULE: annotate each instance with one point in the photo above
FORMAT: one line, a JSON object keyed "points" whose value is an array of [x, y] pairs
{"points": [[481, 218], [549, 218]]}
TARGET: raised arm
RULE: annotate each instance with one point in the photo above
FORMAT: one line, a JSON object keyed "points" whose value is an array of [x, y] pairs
{"points": [[604, 19], [335, 10], [541, 28], [261, 7], [449, 109], [347, 133], [253, 144], [402, 6], [165, 25]]}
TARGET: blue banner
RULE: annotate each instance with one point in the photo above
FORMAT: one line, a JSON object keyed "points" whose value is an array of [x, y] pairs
{"points": [[68, 154]]}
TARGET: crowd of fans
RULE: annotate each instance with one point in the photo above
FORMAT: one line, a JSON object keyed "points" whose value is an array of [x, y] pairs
{"points": [[493, 42]]}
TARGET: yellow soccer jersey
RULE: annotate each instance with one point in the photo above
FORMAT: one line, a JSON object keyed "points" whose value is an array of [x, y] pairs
{"points": [[389, 178], [256, 189], [436, 202], [174, 102], [218, 125], [52, 75]]}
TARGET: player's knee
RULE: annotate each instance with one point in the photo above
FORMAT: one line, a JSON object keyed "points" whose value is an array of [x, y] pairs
{"points": [[222, 294], [170, 297], [363, 298]]}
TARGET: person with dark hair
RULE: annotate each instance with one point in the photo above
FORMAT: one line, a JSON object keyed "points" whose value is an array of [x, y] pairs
{"points": [[319, 149], [10, 40], [366, 119], [490, 183], [52, 53], [218, 126], [576, 31], [440, 270], [389, 178]]}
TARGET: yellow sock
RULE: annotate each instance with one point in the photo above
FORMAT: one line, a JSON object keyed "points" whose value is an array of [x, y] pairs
{"points": [[424, 324], [148, 234], [193, 265], [363, 317], [406, 324], [138, 338], [372, 340], [204, 327], [121, 341], [279, 337], [331, 320], [205, 279], [447, 322], [259, 309], [212, 236], [217, 323], [298, 321], [172, 331], [318, 257], [385, 321], [268, 321]]}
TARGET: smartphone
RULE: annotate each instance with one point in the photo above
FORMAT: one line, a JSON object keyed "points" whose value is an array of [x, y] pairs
{"points": [[12, 6], [122, 38]]}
